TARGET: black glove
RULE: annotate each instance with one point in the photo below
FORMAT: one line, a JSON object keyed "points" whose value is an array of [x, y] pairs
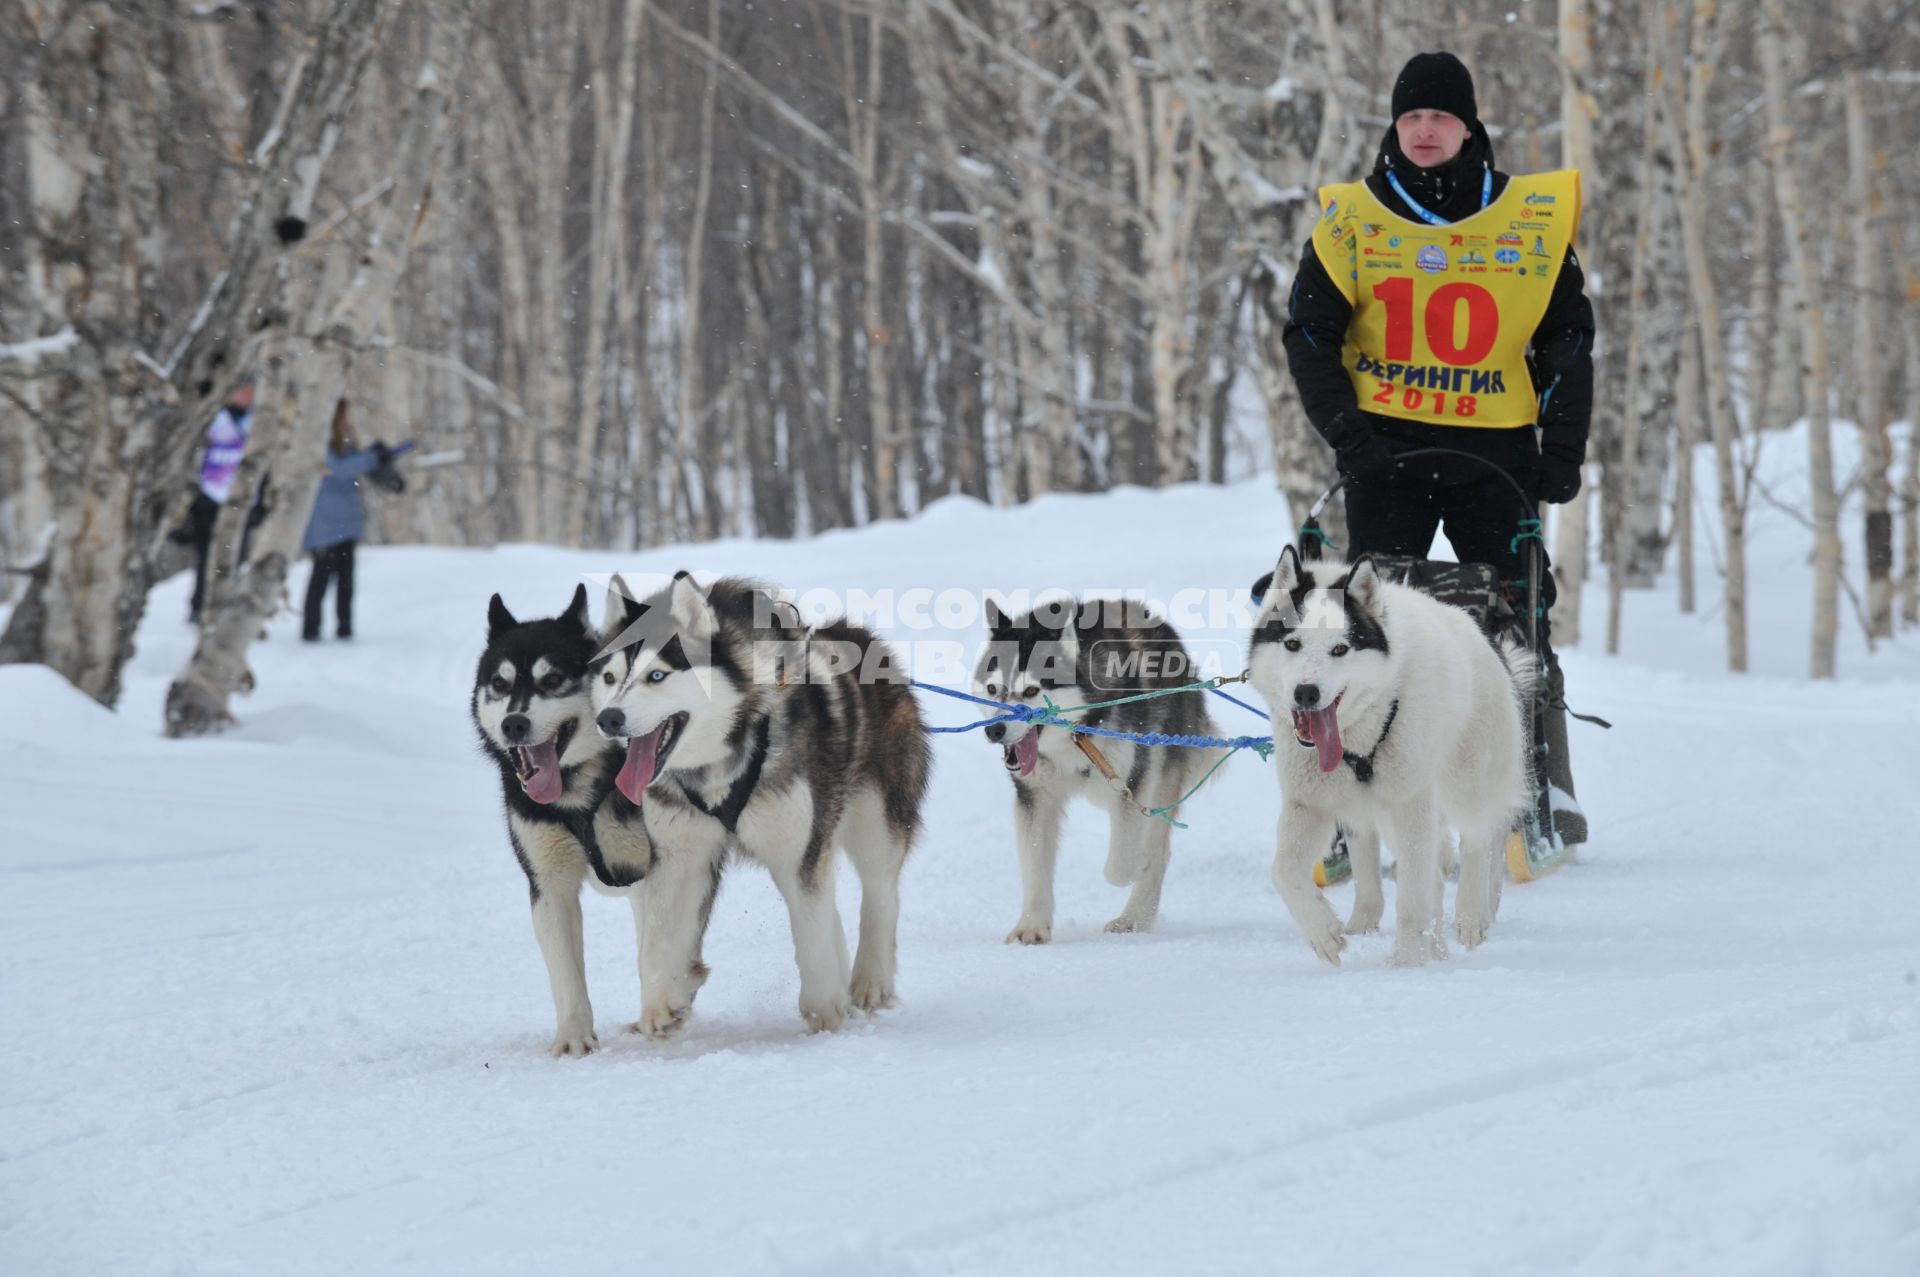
{"points": [[1366, 459], [1556, 480], [383, 453]]}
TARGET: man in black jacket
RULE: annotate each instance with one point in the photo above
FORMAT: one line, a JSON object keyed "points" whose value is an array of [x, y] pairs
{"points": [[1357, 327]]}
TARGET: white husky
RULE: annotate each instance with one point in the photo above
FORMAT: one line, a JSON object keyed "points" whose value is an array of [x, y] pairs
{"points": [[1409, 720]]}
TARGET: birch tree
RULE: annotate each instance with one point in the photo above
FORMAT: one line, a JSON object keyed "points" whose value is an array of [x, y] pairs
{"points": [[1706, 49], [1869, 388], [1811, 317], [1633, 542], [1571, 532]]}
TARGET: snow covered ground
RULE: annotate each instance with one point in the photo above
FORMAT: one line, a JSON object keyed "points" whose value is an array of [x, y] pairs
{"points": [[272, 1003]]}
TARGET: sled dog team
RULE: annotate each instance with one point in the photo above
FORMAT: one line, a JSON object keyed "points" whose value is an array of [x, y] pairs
{"points": [[639, 755]]}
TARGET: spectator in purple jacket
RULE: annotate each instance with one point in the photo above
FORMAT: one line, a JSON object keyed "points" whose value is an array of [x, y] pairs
{"points": [[336, 525], [226, 445]]}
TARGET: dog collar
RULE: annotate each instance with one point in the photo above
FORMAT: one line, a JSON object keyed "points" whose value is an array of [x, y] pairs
{"points": [[1363, 767]]}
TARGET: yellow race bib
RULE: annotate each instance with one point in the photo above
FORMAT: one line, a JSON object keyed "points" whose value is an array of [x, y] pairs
{"points": [[1442, 315]]}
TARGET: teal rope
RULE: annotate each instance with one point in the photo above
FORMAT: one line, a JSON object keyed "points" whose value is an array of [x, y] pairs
{"points": [[1315, 531], [1166, 813], [1528, 528]]}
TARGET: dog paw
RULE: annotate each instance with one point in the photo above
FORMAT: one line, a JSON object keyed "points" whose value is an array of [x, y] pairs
{"points": [[1366, 917], [1472, 926], [662, 1020], [873, 992], [1321, 930], [1127, 924], [1030, 931], [1417, 950], [824, 1017], [1408, 954], [574, 1039]]}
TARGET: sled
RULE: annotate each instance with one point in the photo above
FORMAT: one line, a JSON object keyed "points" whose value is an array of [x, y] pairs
{"points": [[1337, 866]]}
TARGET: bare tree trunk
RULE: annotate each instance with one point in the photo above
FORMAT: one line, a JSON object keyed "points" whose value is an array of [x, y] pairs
{"points": [[1764, 304], [613, 145], [1658, 316], [829, 499], [1910, 484], [1155, 122], [314, 369], [1812, 324], [642, 429], [1571, 529], [1708, 45], [1044, 427], [1639, 417], [549, 398], [1910, 498], [1870, 415], [701, 522], [861, 102], [498, 137], [1687, 411]]}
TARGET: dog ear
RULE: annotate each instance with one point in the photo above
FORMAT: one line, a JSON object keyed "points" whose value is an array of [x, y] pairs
{"points": [[617, 614], [499, 620], [1363, 583], [1260, 588], [692, 615], [1070, 649], [1288, 574], [998, 622], [576, 612]]}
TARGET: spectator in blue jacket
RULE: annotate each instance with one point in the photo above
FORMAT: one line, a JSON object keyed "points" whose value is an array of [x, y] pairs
{"points": [[337, 523]]}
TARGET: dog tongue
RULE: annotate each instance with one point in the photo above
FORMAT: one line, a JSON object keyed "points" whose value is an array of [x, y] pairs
{"points": [[637, 773], [542, 780], [1323, 725], [1026, 751]]}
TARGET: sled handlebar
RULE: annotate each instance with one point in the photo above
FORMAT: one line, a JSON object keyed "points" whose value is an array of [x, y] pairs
{"points": [[1526, 499]]}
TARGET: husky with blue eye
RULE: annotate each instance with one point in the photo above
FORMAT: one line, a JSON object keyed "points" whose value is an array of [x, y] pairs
{"points": [[1082, 654], [567, 822], [743, 731], [1407, 720]]}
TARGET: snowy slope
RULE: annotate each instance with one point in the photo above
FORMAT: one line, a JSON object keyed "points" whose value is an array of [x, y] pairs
{"points": [[273, 1005]]}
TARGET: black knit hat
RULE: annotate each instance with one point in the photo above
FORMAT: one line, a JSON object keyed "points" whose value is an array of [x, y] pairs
{"points": [[1435, 82]]}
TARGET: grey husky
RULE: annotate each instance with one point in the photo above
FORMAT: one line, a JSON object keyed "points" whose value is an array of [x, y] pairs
{"points": [[745, 731], [566, 821], [1081, 655]]}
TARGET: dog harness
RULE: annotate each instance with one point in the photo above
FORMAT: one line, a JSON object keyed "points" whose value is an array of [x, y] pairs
{"points": [[1443, 314], [728, 812], [579, 823], [1363, 767]]}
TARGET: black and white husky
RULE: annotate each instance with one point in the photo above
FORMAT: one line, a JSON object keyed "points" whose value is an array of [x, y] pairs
{"points": [[1408, 721], [567, 823], [744, 731], [1081, 655]]}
